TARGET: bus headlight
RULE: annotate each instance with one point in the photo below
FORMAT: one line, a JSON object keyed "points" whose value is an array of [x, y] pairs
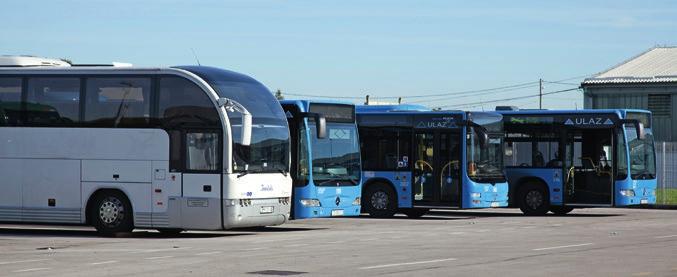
{"points": [[628, 192], [230, 202], [310, 202], [476, 195], [357, 201]]}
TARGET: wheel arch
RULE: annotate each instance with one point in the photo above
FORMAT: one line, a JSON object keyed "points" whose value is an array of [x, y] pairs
{"points": [[99, 191], [378, 181], [514, 190]]}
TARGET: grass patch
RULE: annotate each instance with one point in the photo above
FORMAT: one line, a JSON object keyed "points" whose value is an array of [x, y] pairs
{"points": [[667, 196]]}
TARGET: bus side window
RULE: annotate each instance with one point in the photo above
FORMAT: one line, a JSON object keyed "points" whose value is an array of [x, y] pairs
{"points": [[10, 101], [202, 151], [53, 102], [118, 102], [182, 103]]}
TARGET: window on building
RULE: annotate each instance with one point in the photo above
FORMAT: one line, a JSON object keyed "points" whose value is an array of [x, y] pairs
{"points": [[53, 102], [660, 105], [10, 101], [118, 102]]}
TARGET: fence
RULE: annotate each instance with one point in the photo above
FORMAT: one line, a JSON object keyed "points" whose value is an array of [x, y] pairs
{"points": [[666, 170]]}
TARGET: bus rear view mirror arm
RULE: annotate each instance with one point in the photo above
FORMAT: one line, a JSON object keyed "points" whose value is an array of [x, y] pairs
{"points": [[234, 106], [482, 135], [320, 124], [639, 127]]}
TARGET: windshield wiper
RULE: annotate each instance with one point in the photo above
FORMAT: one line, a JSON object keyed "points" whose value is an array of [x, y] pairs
{"points": [[284, 172], [352, 181], [243, 173]]}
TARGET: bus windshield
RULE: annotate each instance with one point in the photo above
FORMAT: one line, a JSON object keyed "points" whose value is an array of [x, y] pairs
{"points": [[336, 158], [269, 148], [642, 155], [485, 162]]}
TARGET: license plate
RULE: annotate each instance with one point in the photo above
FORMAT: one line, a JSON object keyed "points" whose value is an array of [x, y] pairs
{"points": [[495, 204], [644, 201], [267, 209], [336, 212]]}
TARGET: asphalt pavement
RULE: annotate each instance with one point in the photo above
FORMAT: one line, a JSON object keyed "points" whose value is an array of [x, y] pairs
{"points": [[498, 242]]}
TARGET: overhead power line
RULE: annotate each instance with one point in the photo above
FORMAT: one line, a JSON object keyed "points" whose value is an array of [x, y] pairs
{"points": [[509, 99], [453, 93]]}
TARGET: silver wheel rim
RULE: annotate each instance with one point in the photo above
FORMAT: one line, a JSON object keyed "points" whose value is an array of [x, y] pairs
{"points": [[534, 199], [111, 210], [379, 200]]}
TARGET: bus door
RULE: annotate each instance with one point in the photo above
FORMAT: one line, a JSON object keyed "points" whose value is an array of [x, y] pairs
{"points": [[436, 168], [589, 167], [201, 186]]}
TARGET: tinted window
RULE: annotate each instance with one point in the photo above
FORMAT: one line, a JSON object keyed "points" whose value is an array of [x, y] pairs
{"points": [[118, 102], [53, 102], [202, 151], [385, 148], [183, 103], [10, 101]]}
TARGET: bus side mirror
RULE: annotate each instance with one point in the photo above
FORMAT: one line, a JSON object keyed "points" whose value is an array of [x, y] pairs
{"points": [[234, 106], [321, 126], [639, 127], [483, 137], [641, 133], [246, 129]]}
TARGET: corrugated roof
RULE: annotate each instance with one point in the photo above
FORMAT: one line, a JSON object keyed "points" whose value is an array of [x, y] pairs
{"points": [[657, 65]]}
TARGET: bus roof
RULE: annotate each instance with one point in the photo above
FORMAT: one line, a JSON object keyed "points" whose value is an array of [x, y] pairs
{"points": [[391, 108], [620, 112], [305, 103]]}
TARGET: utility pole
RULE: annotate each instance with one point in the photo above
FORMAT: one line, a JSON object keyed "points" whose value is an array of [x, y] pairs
{"points": [[540, 94]]}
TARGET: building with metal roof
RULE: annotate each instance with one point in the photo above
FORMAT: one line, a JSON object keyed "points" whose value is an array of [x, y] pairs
{"points": [[646, 81]]}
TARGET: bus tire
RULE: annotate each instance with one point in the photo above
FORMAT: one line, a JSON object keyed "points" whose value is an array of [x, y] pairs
{"points": [[561, 210], [111, 213], [533, 199], [415, 212], [380, 200]]}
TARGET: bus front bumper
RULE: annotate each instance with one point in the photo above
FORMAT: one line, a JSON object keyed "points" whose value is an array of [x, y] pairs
{"points": [[239, 213]]}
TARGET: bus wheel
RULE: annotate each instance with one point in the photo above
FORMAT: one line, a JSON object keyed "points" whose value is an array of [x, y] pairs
{"points": [[561, 210], [415, 212], [533, 200], [380, 201], [111, 213]]}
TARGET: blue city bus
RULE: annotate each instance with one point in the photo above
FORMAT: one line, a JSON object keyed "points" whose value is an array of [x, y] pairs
{"points": [[558, 160], [414, 159], [325, 169]]}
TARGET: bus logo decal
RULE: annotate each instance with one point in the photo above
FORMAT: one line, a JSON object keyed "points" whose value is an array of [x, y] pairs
{"points": [[588, 121]]}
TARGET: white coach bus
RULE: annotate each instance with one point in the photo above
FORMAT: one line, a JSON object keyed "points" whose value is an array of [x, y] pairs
{"points": [[119, 147]]}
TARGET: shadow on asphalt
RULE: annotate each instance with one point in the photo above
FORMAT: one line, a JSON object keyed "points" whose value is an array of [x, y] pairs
{"points": [[476, 214], [429, 216], [141, 234], [278, 229]]}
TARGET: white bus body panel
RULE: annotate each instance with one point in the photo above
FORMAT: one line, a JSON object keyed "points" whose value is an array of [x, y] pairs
{"points": [[264, 190], [65, 166]]}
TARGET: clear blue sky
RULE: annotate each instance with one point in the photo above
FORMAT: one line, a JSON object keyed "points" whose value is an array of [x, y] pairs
{"points": [[351, 48]]}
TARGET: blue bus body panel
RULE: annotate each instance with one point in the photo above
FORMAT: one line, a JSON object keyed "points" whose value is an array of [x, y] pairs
{"points": [[327, 195], [552, 177], [645, 192], [401, 181], [491, 196]]}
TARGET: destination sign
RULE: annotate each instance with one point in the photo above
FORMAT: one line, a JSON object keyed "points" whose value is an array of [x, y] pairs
{"points": [[437, 122], [572, 120]]}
